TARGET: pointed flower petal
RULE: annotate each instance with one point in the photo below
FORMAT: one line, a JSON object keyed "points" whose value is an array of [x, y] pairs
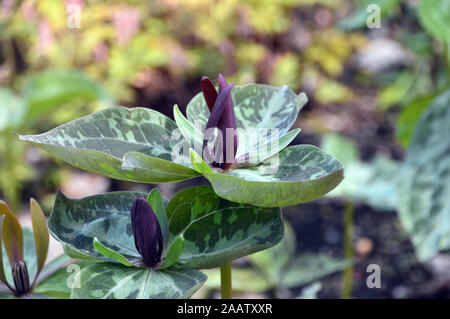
{"points": [[209, 92], [12, 234], [41, 236]]}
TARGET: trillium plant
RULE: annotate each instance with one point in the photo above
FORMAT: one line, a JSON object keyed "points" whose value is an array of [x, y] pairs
{"points": [[22, 263], [144, 246]]}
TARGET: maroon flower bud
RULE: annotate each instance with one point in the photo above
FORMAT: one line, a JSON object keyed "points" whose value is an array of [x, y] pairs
{"points": [[147, 232], [222, 116]]}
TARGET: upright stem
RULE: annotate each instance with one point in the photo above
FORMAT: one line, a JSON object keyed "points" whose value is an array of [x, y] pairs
{"points": [[347, 277], [225, 281]]}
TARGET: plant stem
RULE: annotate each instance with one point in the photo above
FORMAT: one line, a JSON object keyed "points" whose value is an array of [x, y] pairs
{"points": [[348, 250], [225, 281]]}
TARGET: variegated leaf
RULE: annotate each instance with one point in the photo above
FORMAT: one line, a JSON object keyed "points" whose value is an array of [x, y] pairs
{"points": [[76, 222], [114, 281], [217, 231], [424, 185], [98, 142], [297, 174], [255, 106]]}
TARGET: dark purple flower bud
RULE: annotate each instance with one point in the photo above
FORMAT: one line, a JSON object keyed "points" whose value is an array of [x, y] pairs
{"points": [[147, 232], [222, 116], [21, 278], [209, 92]]}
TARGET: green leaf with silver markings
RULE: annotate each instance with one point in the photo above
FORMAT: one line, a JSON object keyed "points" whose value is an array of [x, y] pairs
{"points": [[113, 281], [424, 183], [98, 143], [297, 174], [76, 222], [217, 231]]}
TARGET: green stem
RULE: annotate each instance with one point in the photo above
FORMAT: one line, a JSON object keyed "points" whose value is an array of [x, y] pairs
{"points": [[347, 277], [225, 281]]}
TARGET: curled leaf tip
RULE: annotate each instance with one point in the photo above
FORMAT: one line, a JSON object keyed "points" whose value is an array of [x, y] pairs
{"points": [[146, 231]]}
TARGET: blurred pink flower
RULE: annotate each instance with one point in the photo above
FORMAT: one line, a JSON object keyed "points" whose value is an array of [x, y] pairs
{"points": [[6, 8], [77, 2], [100, 52], [126, 22], [46, 37], [29, 11]]}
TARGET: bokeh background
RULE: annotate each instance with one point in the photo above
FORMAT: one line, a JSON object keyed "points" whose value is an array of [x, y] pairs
{"points": [[367, 85]]}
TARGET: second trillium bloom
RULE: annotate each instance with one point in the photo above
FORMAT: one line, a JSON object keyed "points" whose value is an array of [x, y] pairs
{"points": [[147, 233], [222, 116], [257, 167]]}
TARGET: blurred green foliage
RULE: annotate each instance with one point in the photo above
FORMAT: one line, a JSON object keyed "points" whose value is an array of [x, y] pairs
{"points": [[279, 269], [65, 94]]}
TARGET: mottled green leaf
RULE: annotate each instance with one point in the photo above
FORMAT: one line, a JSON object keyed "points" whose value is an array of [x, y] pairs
{"points": [[155, 200], [40, 232], [297, 174], [148, 169], [109, 253], [114, 281], [435, 17], [98, 142], [255, 106], [217, 231], [76, 222], [12, 234], [424, 184], [59, 284]]}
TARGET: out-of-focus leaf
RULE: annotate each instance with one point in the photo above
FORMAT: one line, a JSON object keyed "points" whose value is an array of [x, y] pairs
{"points": [[435, 17], [341, 148], [55, 88], [310, 291], [409, 117], [40, 232], [12, 109], [309, 268], [12, 234], [424, 184], [396, 92], [271, 263], [330, 92], [358, 19], [373, 183], [244, 280]]}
